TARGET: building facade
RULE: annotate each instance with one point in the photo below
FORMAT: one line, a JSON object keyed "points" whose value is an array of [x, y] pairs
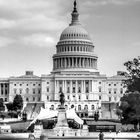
{"points": [[74, 73]]}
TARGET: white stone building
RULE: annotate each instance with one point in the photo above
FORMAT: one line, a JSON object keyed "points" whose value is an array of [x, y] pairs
{"points": [[74, 73]]}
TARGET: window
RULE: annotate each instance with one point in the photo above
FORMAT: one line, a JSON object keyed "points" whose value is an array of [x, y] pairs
{"points": [[39, 91], [20, 91], [14, 84], [52, 107], [6, 91], [33, 84], [87, 90], [121, 90], [47, 89], [68, 97], [79, 107], [33, 98], [26, 84], [100, 89], [100, 97], [73, 82], [86, 107], [72, 106], [109, 90], [99, 82], [66, 107], [92, 107], [39, 99], [47, 97], [87, 97], [60, 82], [109, 99], [27, 99], [79, 97], [27, 90], [68, 89], [79, 90], [114, 84], [47, 82], [5, 99], [20, 84], [38, 84], [15, 91], [109, 84], [115, 90], [73, 89], [33, 90]]}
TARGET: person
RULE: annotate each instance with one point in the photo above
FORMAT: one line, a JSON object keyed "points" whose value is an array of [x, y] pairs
{"points": [[101, 136]]}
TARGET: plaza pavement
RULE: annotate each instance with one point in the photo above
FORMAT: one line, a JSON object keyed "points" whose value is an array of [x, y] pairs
{"points": [[93, 136]]}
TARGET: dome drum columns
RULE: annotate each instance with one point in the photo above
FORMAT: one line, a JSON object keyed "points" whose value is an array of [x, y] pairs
{"points": [[74, 62]]}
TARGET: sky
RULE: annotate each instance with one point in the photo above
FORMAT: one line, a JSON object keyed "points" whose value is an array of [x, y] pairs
{"points": [[30, 30]]}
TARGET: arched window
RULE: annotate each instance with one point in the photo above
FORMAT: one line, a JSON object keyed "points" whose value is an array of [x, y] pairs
{"points": [[86, 107]]}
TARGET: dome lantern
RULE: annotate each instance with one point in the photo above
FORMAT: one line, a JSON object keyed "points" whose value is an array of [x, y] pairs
{"points": [[75, 15]]}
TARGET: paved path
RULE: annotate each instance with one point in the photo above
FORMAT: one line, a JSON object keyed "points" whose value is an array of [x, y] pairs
{"points": [[93, 136]]}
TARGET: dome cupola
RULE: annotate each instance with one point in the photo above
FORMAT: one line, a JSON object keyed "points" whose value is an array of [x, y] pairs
{"points": [[75, 50], [75, 29]]}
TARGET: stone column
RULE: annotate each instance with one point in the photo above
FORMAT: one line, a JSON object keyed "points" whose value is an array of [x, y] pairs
{"points": [[65, 65], [83, 62], [76, 59], [90, 62], [4, 89], [72, 62], [90, 86], [76, 86], [61, 63], [70, 86]]}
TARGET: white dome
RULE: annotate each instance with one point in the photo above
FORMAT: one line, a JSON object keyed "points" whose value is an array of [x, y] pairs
{"points": [[74, 32]]}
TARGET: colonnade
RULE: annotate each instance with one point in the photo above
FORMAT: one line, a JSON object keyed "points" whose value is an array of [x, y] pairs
{"points": [[74, 62], [4, 90], [75, 48], [85, 86]]}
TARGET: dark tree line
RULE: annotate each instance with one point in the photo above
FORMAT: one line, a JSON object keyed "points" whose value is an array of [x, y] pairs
{"points": [[129, 109]]}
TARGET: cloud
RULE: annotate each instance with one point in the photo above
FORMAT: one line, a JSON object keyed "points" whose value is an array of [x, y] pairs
{"points": [[5, 24], [90, 3], [38, 40], [4, 41], [136, 44]]}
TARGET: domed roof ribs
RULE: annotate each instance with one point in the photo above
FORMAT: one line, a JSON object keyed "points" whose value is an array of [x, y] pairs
{"points": [[75, 15]]}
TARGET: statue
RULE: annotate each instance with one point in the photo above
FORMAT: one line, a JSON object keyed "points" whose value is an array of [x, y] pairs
{"points": [[62, 99]]}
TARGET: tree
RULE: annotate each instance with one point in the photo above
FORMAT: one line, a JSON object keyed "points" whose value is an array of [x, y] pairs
{"points": [[133, 75], [18, 103], [2, 107], [130, 106], [10, 106]]}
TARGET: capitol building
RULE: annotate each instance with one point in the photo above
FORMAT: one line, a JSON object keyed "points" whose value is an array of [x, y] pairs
{"points": [[74, 73]]}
